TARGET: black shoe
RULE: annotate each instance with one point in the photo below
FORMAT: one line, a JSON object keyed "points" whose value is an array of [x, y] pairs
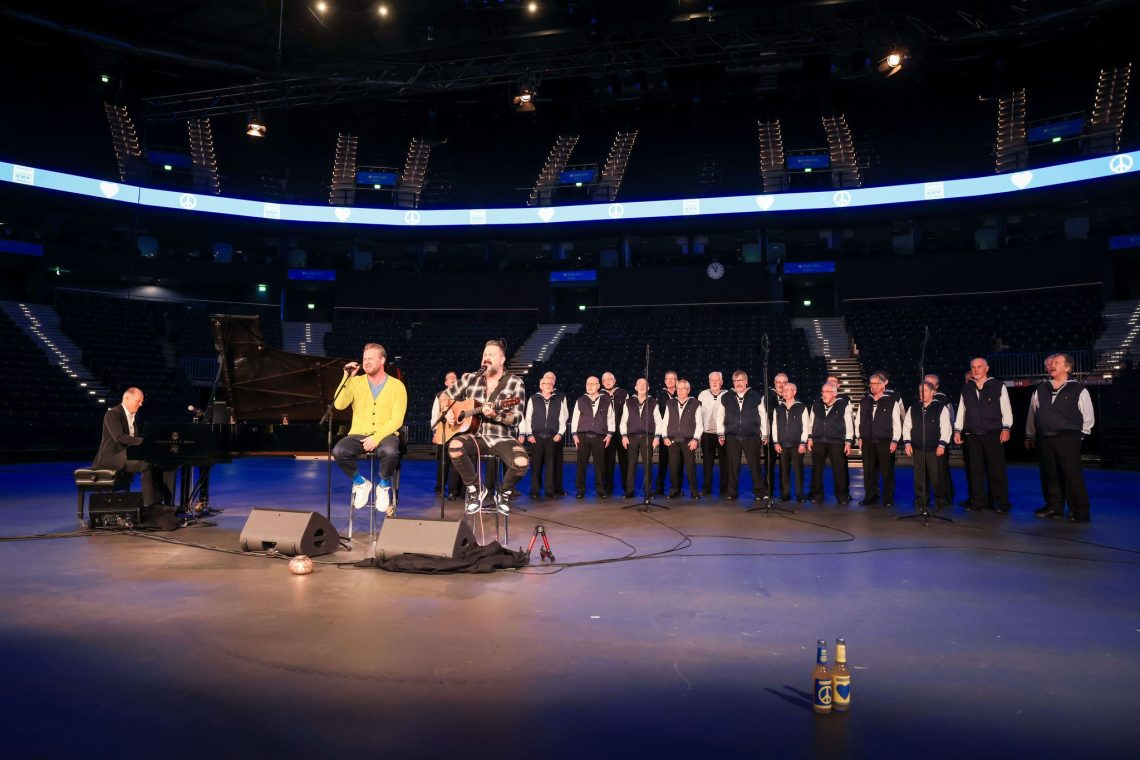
{"points": [[437, 489], [843, 502], [868, 502], [800, 499], [603, 495], [1001, 510], [706, 492], [560, 494], [730, 498], [534, 496], [816, 500], [673, 495], [1048, 513], [966, 503], [761, 498], [785, 497], [549, 495], [580, 495], [628, 495], [1079, 519], [888, 505]]}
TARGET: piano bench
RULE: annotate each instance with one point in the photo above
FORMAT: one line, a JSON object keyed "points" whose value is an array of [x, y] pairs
{"points": [[95, 481]]}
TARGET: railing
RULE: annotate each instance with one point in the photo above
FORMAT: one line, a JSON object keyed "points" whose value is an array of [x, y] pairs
{"points": [[1031, 365], [199, 369]]}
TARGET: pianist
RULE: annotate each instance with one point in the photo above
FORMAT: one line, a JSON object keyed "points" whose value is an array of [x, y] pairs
{"points": [[120, 430], [378, 402]]}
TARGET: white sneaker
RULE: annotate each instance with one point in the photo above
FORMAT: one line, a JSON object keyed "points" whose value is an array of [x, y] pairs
{"points": [[384, 500], [473, 499], [360, 494]]}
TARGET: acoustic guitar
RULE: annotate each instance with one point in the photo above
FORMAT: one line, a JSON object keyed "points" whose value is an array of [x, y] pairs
{"points": [[468, 415]]}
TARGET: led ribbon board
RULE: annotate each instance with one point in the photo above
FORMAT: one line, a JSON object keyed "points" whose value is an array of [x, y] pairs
{"points": [[919, 192]]}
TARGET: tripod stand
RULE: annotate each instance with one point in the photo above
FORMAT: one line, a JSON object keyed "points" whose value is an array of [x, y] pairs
{"points": [[328, 417], [770, 503], [924, 512], [647, 503]]}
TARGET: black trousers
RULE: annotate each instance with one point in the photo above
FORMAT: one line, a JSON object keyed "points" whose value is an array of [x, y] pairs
{"points": [[878, 461], [151, 477], [751, 448], [1061, 473], [791, 462], [711, 451], [821, 453], [928, 472], [615, 464], [349, 448], [542, 461], [987, 468], [506, 452], [944, 492], [680, 456], [638, 450], [592, 445]]}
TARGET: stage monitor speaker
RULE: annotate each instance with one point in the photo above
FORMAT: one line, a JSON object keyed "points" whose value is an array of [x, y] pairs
{"points": [[289, 533], [436, 538], [119, 511]]}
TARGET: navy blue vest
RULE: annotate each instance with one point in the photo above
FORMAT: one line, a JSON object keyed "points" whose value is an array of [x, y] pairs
{"points": [[617, 398], [683, 424], [925, 427], [983, 410], [592, 417], [789, 424], [545, 425], [876, 418], [1058, 414], [638, 422], [740, 423], [829, 428]]}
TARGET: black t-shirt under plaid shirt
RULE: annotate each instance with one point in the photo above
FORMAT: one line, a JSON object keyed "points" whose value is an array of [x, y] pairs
{"points": [[492, 431]]}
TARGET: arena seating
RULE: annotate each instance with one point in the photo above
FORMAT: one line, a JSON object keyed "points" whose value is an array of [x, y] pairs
{"points": [[41, 406], [137, 342], [889, 333], [694, 341]]}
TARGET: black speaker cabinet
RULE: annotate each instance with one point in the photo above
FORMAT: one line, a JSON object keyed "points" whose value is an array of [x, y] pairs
{"points": [[114, 510], [290, 533], [437, 538]]}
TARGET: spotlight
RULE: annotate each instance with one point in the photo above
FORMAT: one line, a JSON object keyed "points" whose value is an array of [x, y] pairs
{"points": [[322, 7], [382, 10], [524, 101], [532, 8], [255, 127], [892, 62]]}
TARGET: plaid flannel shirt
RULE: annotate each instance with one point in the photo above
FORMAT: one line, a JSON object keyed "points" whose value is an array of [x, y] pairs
{"points": [[492, 431]]}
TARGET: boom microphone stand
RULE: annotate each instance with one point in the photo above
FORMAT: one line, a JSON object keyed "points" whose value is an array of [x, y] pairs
{"points": [[648, 503], [328, 417], [924, 512], [769, 507]]}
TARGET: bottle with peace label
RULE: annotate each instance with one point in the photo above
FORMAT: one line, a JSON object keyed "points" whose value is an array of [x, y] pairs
{"points": [[840, 679], [821, 680]]}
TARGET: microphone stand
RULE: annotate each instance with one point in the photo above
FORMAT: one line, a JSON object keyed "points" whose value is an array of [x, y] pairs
{"points": [[923, 512], [328, 416], [647, 503], [768, 507]]}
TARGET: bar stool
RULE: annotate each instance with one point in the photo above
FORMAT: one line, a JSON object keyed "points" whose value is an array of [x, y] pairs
{"points": [[373, 459], [490, 463]]}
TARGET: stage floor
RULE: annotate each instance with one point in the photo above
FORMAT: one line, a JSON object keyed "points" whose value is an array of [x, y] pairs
{"points": [[688, 632]]}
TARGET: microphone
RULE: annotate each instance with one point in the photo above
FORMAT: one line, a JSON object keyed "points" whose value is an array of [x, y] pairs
{"points": [[351, 368], [482, 369]]}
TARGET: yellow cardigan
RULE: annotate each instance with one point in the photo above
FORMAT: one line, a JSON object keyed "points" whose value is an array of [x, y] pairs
{"points": [[379, 417]]}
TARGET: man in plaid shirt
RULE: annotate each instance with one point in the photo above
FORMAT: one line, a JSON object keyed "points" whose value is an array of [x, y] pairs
{"points": [[494, 434]]}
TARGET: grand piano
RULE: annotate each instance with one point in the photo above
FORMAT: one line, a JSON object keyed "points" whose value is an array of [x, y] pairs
{"points": [[256, 384]]}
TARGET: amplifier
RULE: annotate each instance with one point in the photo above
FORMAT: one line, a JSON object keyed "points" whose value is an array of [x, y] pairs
{"points": [[114, 511]]}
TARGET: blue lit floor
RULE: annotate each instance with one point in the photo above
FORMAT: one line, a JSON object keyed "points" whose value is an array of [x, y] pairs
{"points": [[991, 637]]}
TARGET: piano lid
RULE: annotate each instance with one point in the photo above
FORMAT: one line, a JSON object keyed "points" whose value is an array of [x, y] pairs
{"points": [[262, 383]]}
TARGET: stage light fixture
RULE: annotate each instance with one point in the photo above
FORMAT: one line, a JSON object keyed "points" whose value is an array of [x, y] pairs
{"points": [[105, 78], [255, 127], [532, 8], [382, 10], [892, 62], [524, 101], [322, 7]]}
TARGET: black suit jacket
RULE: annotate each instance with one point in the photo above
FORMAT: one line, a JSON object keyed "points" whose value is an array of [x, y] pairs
{"points": [[116, 438]]}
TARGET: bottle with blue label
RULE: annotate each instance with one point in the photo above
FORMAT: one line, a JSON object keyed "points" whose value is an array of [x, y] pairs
{"points": [[821, 681], [840, 679]]}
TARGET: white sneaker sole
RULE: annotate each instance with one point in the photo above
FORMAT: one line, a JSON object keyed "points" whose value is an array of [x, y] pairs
{"points": [[360, 495]]}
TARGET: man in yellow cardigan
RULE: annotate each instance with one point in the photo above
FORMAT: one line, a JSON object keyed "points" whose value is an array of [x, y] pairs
{"points": [[378, 403]]}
